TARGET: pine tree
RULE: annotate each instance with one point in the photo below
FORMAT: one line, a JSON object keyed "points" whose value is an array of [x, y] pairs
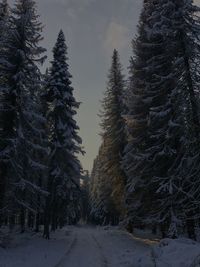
{"points": [[165, 129], [113, 131], [85, 209], [93, 191], [64, 174], [135, 158], [181, 34], [21, 137], [103, 210], [3, 25], [161, 158]]}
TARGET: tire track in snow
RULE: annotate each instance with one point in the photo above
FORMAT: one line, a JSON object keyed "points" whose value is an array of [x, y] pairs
{"points": [[94, 247], [72, 245], [104, 260], [84, 251]]}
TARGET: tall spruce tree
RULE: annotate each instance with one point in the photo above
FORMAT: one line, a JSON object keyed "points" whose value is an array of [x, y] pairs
{"points": [[113, 131], [136, 158], [3, 26], [64, 174], [165, 130], [21, 138], [162, 158], [179, 24], [103, 209], [85, 209]]}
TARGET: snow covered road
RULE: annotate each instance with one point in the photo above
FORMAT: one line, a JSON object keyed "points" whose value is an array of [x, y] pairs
{"points": [[81, 246], [97, 247], [84, 252], [85, 246]]}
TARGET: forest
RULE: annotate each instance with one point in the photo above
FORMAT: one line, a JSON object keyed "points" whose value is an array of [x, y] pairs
{"points": [[150, 128], [147, 172]]}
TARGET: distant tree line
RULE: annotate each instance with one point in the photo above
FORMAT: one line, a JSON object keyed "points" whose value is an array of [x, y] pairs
{"points": [[39, 142], [147, 172]]}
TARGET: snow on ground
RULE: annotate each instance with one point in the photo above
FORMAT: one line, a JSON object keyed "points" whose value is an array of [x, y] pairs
{"points": [[182, 252], [26, 250], [98, 247], [78, 247], [87, 246]]}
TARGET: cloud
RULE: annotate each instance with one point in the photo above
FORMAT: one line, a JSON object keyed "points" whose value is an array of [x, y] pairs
{"points": [[72, 8], [116, 36], [71, 2], [75, 4]]}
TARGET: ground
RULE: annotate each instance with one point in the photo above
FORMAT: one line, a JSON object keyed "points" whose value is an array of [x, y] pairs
{"points": [[81, 246], [93, 247], [87, 246]]}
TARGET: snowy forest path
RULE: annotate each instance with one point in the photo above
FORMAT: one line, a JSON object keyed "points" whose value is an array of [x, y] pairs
{"points": [[106, 247]]}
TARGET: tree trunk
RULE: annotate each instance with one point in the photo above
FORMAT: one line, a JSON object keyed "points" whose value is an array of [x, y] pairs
{"points": [[11, 222], [22, 220], [129, 227], [46, 233], [163, 230], [190, 224], [30, 219], [47, 218], [3, 171], [37, 222], [154, 229], [53, 222]]}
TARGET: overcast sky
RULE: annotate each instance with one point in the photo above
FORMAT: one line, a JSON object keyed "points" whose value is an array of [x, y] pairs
{"points": [[93, 28]]}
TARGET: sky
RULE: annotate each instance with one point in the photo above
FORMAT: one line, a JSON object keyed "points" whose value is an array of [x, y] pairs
{"points": [[93, 29]]}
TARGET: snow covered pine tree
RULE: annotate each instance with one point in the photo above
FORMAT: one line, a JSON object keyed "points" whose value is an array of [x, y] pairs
{"points": [[103, 210], [63, 203], [110, 154], [21, 139], [3, 25], [162, 155], [138, 105], [179, 23]]}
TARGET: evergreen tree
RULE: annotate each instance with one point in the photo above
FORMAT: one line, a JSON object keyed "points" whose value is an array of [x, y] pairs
{"points": [[64, 174], [113, 131], [3, 25], [165, 130], [85, 210], [136, 158], [161, 158], [181, 35], [93, 191], [21, 138], [103, 210]]}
